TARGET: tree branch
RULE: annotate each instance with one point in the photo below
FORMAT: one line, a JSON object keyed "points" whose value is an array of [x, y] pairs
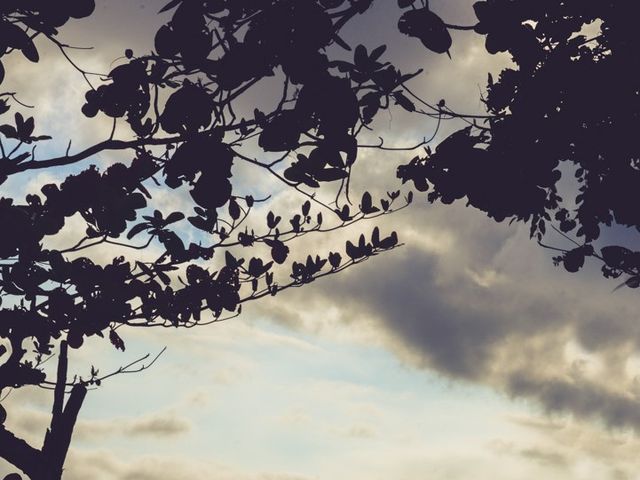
{"points": [[18, 452], [57, 442], [93, 150], [58, 398]]}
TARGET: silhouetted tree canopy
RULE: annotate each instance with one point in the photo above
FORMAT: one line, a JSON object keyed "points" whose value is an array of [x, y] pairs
{"points": [[568, 107], [180, 103], [548, 115]]}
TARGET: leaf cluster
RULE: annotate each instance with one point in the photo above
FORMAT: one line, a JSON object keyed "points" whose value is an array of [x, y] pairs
{"points": [[181, 104], [564, 109]]}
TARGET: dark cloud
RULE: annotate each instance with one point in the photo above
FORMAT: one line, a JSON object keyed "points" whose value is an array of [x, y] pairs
{"points": [[453, 338], [454, 328], [608, 331], [581, 398], [489, 307], [158, 426], [30, 423], [545, 457]]}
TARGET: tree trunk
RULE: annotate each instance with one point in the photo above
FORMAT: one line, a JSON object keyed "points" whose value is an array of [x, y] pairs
{"points": [[48, 463], [19, 453]]}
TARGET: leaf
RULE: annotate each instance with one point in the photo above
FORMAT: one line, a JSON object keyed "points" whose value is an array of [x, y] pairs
{"points": [[306, 206], [343, 213], [573, 260], [256, 267], [404, 102], [362, 242], [136, 229], [366, 206], [614, 255], [428, 27], [390, 241], [173, 217], [272, 220], [8, 131], [230, 260], [234, 209], [330, 174], [24, 127], [279, 251], [375, 237], [342, 66], [282, 133], [352, 251], [360, 57], [19, 119], [295, 223], [377, 52], [633, 282], [170, 5], [409, 197], [336, 38], [81, 8], [30, 51], [116, 341], [201, 224], [164, 278], [145, 269], [335, 259], [13, 36]]}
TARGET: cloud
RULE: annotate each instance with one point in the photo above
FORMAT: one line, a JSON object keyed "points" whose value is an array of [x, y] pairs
{"points": [[469, 299], [358, 432], [159, 425], [31, 424], [103, 465], [544, 457], [155, 425], [583, 450], [582, 398], [539, 453], [486, 306]]}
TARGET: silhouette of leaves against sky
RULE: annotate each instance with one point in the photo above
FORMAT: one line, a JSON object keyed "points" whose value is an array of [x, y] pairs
{"points": [[182, 105], [187, 128]]}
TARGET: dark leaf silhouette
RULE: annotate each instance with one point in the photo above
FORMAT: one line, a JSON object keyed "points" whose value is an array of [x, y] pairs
{"points": [[189, 128], [538, 128], [574, 260], [116, 341], [427, 27]]}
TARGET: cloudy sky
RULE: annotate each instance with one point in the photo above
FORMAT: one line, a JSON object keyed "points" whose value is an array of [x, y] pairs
{"points": [[463, 354]]}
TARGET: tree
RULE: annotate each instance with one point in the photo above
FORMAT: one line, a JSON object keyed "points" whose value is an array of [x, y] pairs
{"points": [[181, 104], [567, 108], [189, 131]]}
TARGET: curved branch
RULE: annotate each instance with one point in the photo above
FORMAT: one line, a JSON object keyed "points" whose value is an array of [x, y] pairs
{"points": [[460, 27], [106, 145]]}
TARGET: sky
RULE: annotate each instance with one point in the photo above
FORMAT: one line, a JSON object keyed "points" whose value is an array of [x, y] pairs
{"points": [[463, 354]]}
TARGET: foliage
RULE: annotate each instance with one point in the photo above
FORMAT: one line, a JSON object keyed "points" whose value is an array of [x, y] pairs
{"points": [[566, 108], [189, 131]]}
